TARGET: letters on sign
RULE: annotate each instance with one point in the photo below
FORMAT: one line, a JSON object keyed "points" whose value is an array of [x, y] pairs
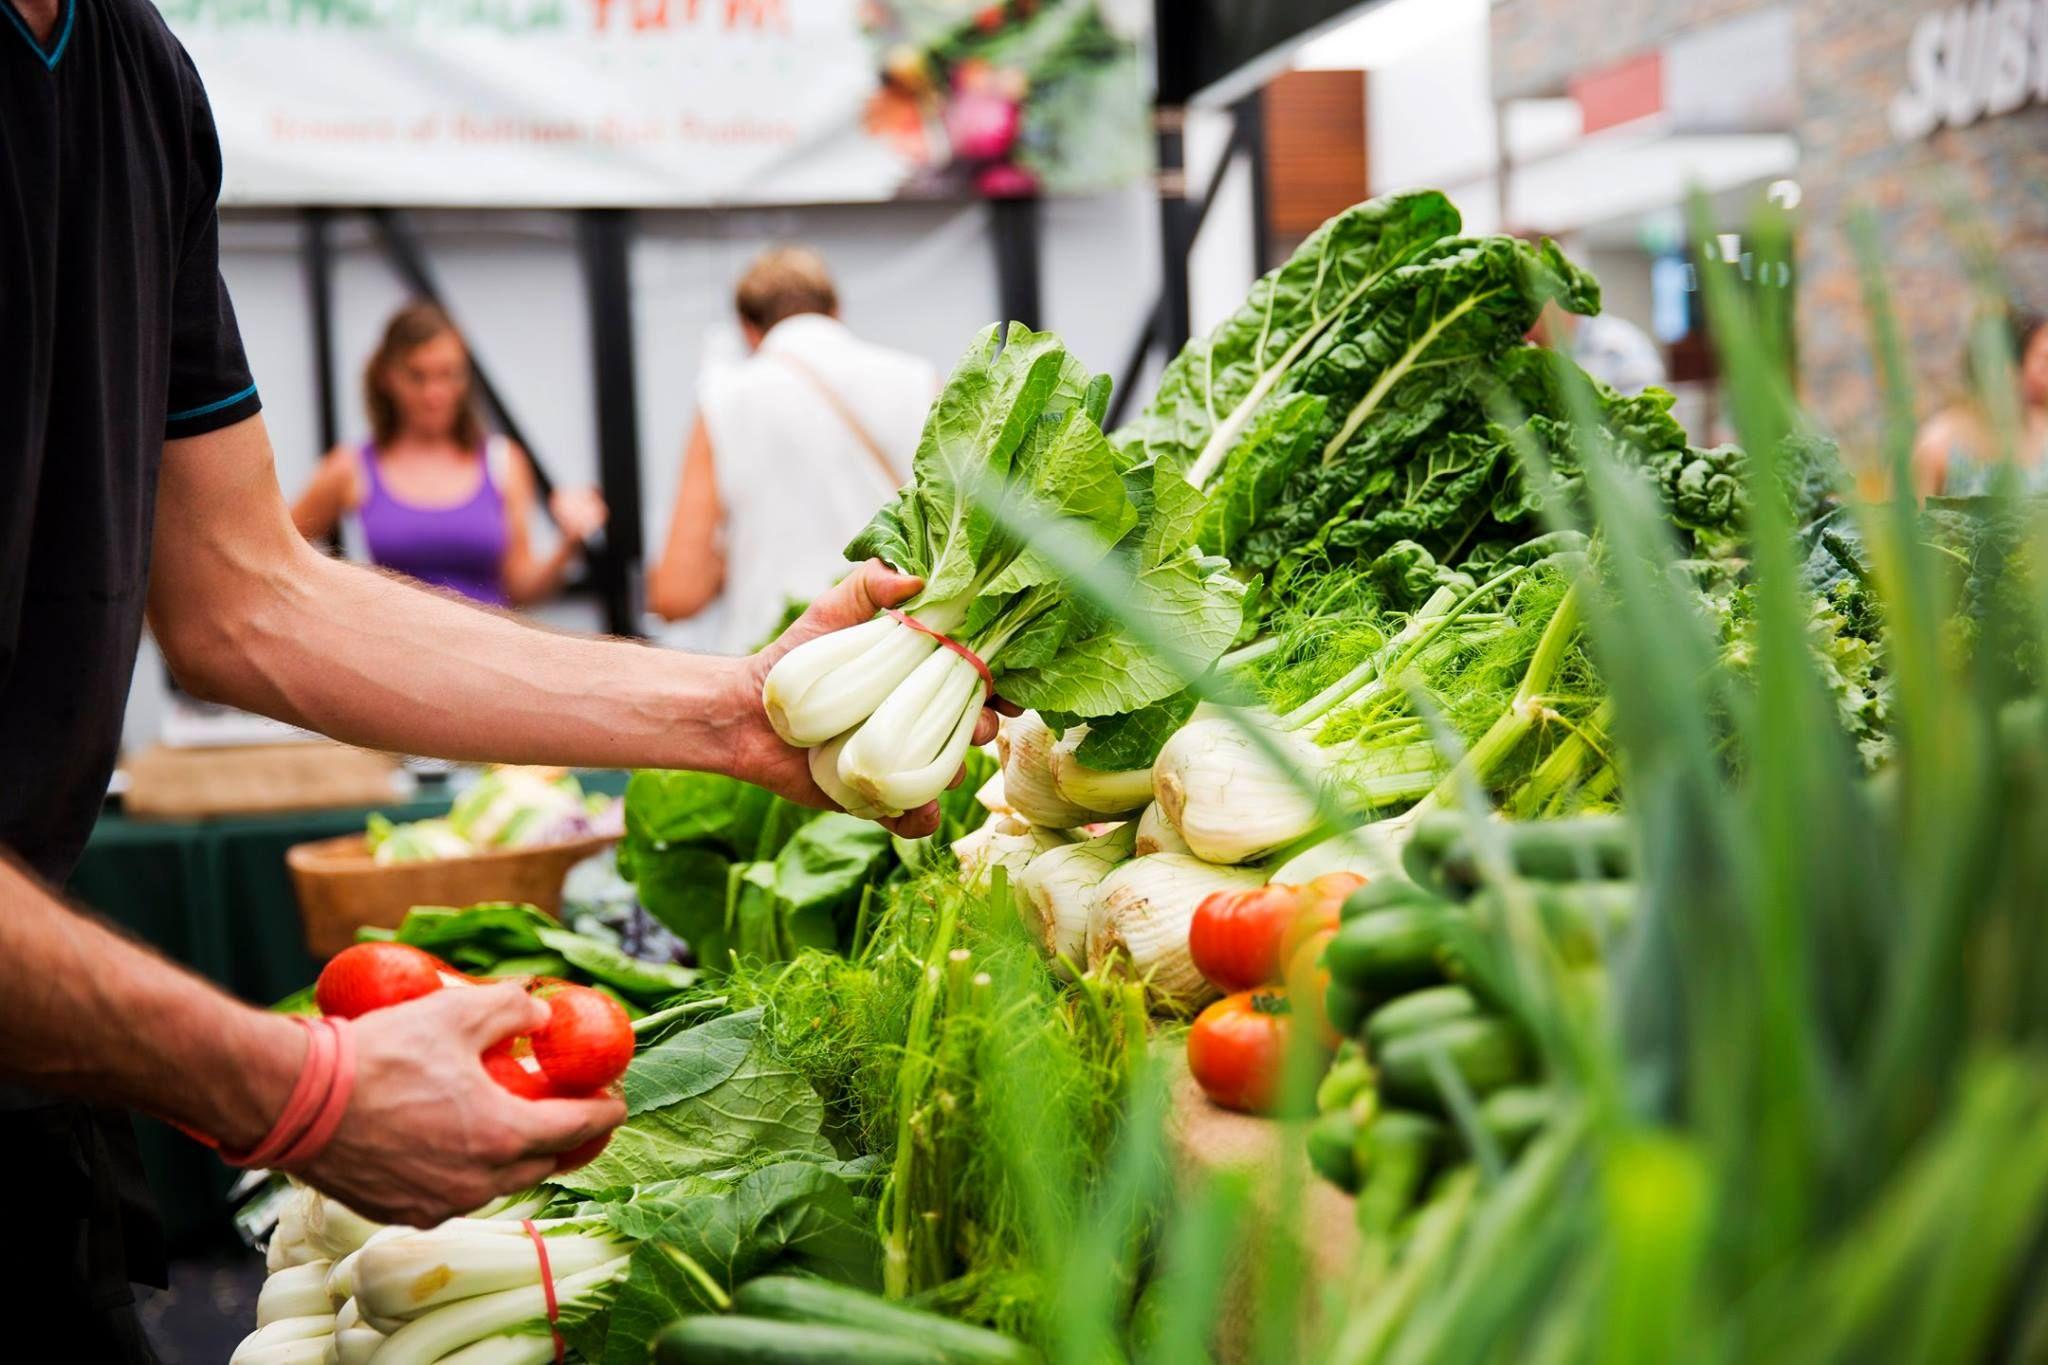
{"points": [[1970, 62]]}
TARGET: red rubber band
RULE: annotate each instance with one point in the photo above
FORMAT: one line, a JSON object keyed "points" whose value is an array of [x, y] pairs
{"points": [[342, 1084], [987, 679], [316, 1078], [547, 1285]]}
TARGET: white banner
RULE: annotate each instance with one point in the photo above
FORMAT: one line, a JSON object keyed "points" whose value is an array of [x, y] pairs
{"points": [[568, 103]]}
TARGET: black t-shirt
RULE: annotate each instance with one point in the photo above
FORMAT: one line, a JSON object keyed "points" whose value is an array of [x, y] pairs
{"points": [[115, 334]]}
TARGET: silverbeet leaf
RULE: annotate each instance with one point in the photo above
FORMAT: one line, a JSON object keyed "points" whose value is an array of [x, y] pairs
{"points": [[1210, 391]]}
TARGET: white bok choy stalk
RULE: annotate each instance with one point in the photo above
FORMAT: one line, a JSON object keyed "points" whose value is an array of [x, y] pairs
{"points": [[1025, 745], [298, 1291], [355, 1341], [1096, 790], [516, 1350], [1141, 918], [1058, 887], [906, 753], [288, 1341], [1238, 785], [436, 1335], [1156, 834], [401, 1279]]}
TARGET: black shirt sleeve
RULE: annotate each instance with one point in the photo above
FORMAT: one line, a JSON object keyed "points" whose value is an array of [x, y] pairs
{"points": [[210, 384]]}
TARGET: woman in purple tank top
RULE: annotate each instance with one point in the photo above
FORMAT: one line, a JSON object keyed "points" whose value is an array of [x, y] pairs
{"points": [[438, 499]]}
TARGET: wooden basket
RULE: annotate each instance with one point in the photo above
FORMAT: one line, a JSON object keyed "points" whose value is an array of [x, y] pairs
{"points": [[342, 889]]}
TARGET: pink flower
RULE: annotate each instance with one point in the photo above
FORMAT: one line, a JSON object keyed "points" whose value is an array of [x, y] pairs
{"points": [[981, 126]]}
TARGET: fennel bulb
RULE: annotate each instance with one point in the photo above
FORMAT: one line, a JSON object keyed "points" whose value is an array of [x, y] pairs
{"points": [[1095, 789], [1058, 887], [1373, 851], [1156, 834], [1142, 913], [1227, 798], [992, 797], [1025, 744], [1002, 840]]}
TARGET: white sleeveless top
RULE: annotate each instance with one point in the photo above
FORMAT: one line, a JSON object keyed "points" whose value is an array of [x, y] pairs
{"points": [[796, 483]]}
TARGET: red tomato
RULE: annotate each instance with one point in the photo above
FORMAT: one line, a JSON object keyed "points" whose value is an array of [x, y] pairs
{"points": [[584, 1153], [1321, 907], [370, 976], [1235, 937], [1308, 983], [519, 1074], [586, 1042], [1237, 1050]]}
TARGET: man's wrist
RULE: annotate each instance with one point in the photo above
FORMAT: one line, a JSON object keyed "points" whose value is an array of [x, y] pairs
{"points": [[709, 703], [266, 1052]]}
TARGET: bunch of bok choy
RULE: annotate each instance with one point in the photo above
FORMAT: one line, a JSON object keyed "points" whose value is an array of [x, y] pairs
{"points": [[1012, 448]]}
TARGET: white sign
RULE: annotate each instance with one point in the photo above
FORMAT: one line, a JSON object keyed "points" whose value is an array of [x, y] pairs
{"points": [[1970, 62], [566, 103]]}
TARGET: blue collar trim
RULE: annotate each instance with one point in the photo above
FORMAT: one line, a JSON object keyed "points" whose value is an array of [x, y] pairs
{"points": [[55, 53]]}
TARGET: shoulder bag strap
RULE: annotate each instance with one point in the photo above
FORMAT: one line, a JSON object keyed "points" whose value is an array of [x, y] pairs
{"points": [[845, 415]]}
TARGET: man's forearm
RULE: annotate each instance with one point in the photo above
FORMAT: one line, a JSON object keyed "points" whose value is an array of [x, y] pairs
{"points": [[88, 1014], [371, 660]]}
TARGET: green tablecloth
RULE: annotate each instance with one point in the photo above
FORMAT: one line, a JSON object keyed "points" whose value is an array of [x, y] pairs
{"points": [[216, 896]]}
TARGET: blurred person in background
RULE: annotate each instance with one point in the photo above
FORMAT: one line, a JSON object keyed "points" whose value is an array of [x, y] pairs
{"points": [[1956, 453], [792, 451], [438, 498]]}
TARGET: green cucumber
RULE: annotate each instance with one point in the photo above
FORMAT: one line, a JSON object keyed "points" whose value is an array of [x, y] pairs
{"points": [[1346, 1006], [1418, 1010], [764, 1341], [794, 1298], [1388, 952], [1517, 1114], [1349, 1076], [1486, 1051], [1394, 1157], [1330, 1142], [1440, 853], [1580, 917], [1387, 893]]}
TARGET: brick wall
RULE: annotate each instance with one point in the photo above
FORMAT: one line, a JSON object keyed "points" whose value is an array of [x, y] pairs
{"points": [[1927, 199]]}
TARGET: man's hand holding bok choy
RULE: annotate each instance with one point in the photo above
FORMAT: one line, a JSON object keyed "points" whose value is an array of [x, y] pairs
{"points": [[762, 756]]}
